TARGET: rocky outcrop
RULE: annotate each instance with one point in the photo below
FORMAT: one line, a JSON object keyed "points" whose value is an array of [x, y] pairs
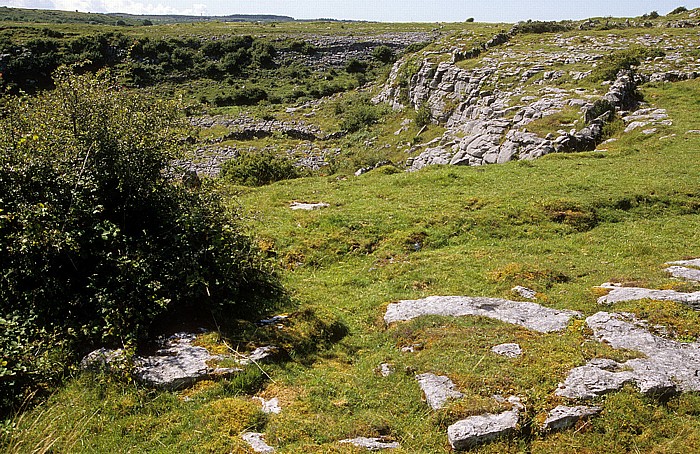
{"points": [[618, 294], [529, 315], [669, 366]]}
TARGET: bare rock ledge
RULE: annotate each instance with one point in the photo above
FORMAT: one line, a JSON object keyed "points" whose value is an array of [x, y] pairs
{"points": [[529, 315]]}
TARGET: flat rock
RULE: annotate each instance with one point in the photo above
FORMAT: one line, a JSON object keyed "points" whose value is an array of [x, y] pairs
{"points": [[308, 206], [438, 389], [178, 364], [386, 369], [618, 294], [507, 350], [692, 262], [257, 442], [669, 366], [476, 430], [371, 444], [563, 417], [529, 315], [260, 354], [681, 272]]}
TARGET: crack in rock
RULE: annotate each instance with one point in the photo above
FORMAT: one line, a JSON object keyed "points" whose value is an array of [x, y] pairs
{"points": [[669, 366], [529, 315]]}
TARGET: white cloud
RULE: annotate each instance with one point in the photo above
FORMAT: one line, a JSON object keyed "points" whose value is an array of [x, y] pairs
{"points": [[111, 6]]}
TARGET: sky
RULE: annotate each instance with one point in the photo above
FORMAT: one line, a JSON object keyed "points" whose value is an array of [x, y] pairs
{"points": [[374, 10]]}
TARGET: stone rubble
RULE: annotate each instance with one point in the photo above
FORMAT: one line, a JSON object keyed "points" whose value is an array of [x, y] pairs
{"points": [[529, 315], [257, 442], [372, 444], [563, 417], [669, 366], [507, 350], [438, 390]]}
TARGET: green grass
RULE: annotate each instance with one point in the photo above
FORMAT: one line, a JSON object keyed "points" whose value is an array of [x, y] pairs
{"points": [[561, 225]]}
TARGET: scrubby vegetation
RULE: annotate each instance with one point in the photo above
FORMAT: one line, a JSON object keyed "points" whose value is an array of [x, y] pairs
{"points": [[98, 242]]}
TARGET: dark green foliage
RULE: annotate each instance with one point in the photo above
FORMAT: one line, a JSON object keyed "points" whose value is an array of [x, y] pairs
{"points": [[541, 27], [423, 115], [612, 64], [470, 20], [599, 108], [651, 15], [98, 243], [243, 97], [355, 66], [259, 168], [679, 10], [384, 54], [357, 113], [415, 47]]}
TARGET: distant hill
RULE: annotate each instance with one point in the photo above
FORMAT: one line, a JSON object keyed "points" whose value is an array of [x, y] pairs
{"points": [[75, 17], [177, 19]]}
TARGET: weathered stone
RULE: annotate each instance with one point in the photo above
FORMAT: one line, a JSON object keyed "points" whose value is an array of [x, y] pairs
{"points": [[476, 430], [178, 364], [527, 314], [308, 206], [257, 442], [104, 360], [438, 389], [524, 292], [507, 350], [682, 272], [669, 366], [372, 444], [563, 417], [271, 406], [692, 262], [386, 369], [618, 294], [260, 354]]}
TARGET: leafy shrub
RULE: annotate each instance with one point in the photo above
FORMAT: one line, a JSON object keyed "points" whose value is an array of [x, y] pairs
{"points": [[541, 27], [423, 115], [599, 108], [384, 54], [611, 64], [259, 168], [355, 66], [242, 97], [357, 113], [679, 10], [98, 243], [651, 15]]}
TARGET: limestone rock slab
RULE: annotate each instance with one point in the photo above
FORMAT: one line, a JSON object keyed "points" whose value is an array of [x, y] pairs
{"points": [[507, 350], [476, 430], [527, 314], [308, 206], [257, 442], [563, 417], [689, 274], [438, 389], [371, 444], [618, 294]]}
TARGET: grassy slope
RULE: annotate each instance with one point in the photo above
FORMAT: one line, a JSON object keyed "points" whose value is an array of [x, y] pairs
{"points": [[561, 225]]}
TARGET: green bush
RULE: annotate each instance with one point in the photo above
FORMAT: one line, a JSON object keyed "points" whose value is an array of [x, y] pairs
{"points": [[358, 115], [611, 64], [384, 54], [97, 242], [423, 115], [258, 168], [679, 10], [355, 66]]}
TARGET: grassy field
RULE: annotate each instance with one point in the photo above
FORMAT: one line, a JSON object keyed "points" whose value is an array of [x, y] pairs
{"points": [[560, 225]]}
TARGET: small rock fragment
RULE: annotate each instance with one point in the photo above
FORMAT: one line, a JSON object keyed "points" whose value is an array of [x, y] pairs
{"points": [[438, 389], [524, 292], [386, 369], [563, 417], [257, 442], [372, 444], [271, 406], [260, 354], [476, 430], [507, 350], [308, 206]]}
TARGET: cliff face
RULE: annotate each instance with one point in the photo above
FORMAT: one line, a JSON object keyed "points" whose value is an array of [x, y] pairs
{"points": [[487, 109]]}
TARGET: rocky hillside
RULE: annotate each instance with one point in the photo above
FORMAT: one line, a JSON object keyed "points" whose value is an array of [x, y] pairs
{"points": [[523, 95]]}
